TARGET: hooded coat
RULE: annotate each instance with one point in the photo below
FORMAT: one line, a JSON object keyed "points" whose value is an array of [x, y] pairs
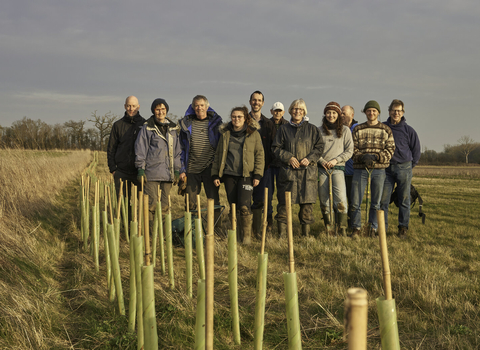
{"points": [[300, 141], [253, 153], [158, 154]]}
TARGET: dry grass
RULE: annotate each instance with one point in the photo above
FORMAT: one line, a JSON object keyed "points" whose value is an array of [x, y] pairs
{"points": [[471, 171]]}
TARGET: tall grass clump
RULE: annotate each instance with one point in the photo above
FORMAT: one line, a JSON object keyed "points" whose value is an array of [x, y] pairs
{"points": [[30, 182]]}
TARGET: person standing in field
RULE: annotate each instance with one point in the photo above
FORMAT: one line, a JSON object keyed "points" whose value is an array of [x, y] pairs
{"points": [[199, 138], [239, 162], [121, 146], [157, 155], [267, 133], [399, 172], [298, 146], [373, 147], [348, 114], [337, 149], [277, 111]]}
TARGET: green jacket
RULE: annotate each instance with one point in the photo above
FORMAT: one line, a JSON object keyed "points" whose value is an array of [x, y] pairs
{"points": [[253, 154]]}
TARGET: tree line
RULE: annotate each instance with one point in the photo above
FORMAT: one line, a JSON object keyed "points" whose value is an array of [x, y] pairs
{"points": [[36, 134]]}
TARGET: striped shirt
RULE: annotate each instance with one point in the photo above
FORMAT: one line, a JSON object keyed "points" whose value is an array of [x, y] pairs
{"points": [[201, 151]]}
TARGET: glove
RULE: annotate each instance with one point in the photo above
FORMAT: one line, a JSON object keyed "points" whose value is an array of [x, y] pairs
{"points": [[182, 187], [176, 177], [140, 175], [369, 160]]}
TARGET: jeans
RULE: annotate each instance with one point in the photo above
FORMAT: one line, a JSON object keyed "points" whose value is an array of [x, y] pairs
{"points": [[339, 191], [400, 174], [360, 179]]}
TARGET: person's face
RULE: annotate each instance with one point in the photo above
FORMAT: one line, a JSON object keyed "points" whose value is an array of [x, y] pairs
{"points": [[160, 113], [200, 108], [132, 106], [347, 116], [396, 114], [372, 114], [331, 116], [277, 114], [256, 103], [238, 120], [297, 114]]}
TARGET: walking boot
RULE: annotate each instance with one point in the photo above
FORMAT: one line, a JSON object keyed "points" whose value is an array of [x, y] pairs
{"points": [[282, 230], [305, 230], [342, 223], [246, 229], [329, 230], [257, 223], [402, 232]]}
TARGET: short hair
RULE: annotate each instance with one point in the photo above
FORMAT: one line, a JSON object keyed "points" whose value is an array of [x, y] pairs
{"points": [[298, 102], [348, 106], [257, 92], [244, 110], [396, 103], [200, 97]]}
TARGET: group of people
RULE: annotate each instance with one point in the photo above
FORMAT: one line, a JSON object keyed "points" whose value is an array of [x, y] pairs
{"points": [[251, 152]]}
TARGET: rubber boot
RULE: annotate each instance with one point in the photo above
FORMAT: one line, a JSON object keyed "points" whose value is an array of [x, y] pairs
{"points": [[257, 223], [305, 230], [328, 225], [342, 219], [246, 228], [269, 227], [282, 230]]}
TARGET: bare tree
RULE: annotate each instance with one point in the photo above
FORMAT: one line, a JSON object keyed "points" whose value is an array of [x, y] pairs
{"points": [[104, 125], [76, 133], [466, 146]]}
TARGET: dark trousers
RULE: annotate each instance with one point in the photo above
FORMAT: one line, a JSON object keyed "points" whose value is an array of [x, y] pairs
{"points": [[259, 193], [239, 191], [127, 180], [305, 215], [194, 186]]}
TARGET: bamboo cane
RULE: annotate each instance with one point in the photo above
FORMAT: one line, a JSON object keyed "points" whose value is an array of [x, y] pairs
{"points": [[356, 309], [105, 240], [233, 284], [187, 236], [132, 306], [125, 213], [234, 217], [209, 276], [367, 209], [168, 237], [97, 204], [199, 241], [387, 285]]}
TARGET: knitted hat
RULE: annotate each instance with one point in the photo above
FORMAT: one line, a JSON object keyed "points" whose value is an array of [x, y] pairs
{"points": [[157, 102], [372, 104], [334, 106]]}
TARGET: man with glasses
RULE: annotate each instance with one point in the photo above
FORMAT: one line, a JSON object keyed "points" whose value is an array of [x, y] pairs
{"points": [[406, 156]]}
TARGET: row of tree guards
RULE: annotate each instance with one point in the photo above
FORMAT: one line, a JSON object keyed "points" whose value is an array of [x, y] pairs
{"points": [[143, 248]]}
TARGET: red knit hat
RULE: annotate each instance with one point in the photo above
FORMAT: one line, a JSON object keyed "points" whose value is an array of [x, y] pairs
{"points": [[334, 106]]}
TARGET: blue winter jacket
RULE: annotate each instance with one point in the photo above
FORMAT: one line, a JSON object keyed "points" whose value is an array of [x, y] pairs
{"points": [[407, 143], [186, 132], [157, 154]]}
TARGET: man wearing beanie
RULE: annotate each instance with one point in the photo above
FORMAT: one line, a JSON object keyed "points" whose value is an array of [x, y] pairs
{"points": [[406, 156], [373, 147], [120, 150], [157, 155]]}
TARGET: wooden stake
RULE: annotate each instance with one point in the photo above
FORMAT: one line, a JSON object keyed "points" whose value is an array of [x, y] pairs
{"points": [[146, 229], [265, 223], [382, 236], [356, 309], [110, 206], [233, 207], [288, 205], [209, 275], [134, 200]]}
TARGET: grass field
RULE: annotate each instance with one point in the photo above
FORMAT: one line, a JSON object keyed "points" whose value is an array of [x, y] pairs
{"points": [[53, 299]]}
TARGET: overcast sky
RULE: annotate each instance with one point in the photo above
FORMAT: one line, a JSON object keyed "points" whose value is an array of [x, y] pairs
{"points": [[62, 60]]}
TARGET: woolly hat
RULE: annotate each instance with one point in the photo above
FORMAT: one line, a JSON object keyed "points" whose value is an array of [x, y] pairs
{"points": [[334, 106], [372, 104], [157, 102]]}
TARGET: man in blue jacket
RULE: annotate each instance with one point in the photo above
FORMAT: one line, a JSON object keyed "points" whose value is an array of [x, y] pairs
{"points": [[199, 137], [406, 156]]}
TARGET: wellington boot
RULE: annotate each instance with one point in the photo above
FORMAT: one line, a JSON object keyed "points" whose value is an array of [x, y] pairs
{"points": [[257, 223], [342, 219], [305, 230], [239, 229], [246, 228], [282, 230]]}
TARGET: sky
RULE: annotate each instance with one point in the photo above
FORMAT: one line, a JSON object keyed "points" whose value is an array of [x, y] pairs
{"points": [[62, 60]]}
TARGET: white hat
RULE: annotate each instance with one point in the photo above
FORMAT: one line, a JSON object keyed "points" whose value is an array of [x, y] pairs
{"points": [[278, 105]]}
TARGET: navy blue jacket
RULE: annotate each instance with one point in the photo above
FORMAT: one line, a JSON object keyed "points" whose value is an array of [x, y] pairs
{"points": [[407, 143]]}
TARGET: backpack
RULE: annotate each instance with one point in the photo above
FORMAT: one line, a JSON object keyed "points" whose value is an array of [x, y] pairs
{"points": [[414, 195]]}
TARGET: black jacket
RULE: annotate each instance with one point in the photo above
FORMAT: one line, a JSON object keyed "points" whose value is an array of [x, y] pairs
{"points": [[121, 145], [267, 133], [275, 162]]}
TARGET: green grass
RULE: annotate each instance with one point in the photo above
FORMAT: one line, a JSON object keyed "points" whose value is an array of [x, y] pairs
{"points": [[435, 281]]}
